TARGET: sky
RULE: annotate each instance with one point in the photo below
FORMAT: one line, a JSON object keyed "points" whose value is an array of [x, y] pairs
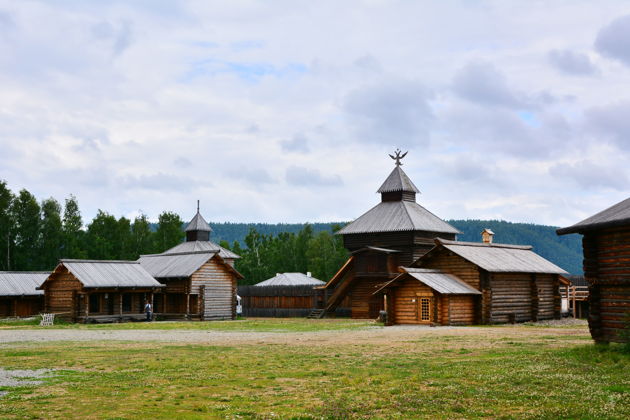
{"points": [[286, 111]]}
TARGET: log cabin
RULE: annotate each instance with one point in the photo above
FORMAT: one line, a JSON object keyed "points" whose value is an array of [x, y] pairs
{"points": [[98, 291], [19, 296], [606, 248], [397, 231], [198, 275], [284, 295], [515, 284]]}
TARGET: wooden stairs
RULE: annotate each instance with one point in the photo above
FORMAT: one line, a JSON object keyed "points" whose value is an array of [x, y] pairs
{"points": [[316, 314]]}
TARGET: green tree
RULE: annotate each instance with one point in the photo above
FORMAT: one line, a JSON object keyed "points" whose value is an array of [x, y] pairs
{"points": [[26, 216], [142, 235], [73, 233], [169, 231], [102, 237], [6, 234], [325, 255], [124, 239], [51, 234]]}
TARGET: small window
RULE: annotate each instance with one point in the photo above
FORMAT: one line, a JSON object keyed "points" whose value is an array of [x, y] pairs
{"points": [[425, 309]]}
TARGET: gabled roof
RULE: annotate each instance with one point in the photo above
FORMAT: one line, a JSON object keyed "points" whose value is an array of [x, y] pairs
{"points": [[291, 279], [180, 265], [496, 258], [391, 216], [198, 223], [196, 246], [437, 280], [617, 215], [125, 274], [175, 264], [22, 283], [398, 181]]}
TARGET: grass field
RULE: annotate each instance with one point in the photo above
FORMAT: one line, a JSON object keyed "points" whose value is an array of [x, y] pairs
{"points": [[490, 372]]}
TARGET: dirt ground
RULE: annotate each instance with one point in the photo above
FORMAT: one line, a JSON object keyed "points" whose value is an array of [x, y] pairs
{"points": [[377, 335]]}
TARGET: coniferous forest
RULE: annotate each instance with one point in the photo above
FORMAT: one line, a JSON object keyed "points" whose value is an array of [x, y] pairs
{"points": [[34, 235]]}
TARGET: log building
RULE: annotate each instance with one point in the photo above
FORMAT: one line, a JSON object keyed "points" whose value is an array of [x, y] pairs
{"points": [[198, 275], [606, 247], [405, 260], [397, 231], [19, 296], [98, 291]]}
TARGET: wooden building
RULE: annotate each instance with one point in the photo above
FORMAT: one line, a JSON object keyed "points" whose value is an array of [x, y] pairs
{"points": [[606, 247], [395, 232], [426, 296], [199, 277], [284, 295], [98, 291], [515, 283], [19, 296]]}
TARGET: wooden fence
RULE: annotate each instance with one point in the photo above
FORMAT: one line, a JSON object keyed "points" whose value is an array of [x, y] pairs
{"points": [[284, 301]]}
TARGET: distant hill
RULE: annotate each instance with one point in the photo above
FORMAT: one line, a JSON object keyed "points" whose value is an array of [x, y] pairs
{"points": [[564, 251]]}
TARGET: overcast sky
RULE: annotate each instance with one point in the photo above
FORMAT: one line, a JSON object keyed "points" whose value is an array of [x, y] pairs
{"points": [[285, 111]]}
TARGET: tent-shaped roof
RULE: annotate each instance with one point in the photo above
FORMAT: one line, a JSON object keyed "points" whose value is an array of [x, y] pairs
{"points": [[497, 258], [617, 215], [198, 223], [196, 246], [398, 181], [437, 280], [291, 279], [22, 283], [390, 216], [117, 274]]}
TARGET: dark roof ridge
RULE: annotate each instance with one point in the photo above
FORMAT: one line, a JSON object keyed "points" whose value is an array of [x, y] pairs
{"points": [[70, 260], [608, 218], [25, 272], [481, 244]]}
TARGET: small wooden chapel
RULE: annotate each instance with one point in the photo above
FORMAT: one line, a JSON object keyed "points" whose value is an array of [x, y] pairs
{"points": [[395, 232], [407, 262]]}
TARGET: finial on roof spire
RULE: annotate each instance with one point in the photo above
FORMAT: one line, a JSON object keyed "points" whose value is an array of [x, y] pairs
{"points": [[197, 206], [397, 156]]}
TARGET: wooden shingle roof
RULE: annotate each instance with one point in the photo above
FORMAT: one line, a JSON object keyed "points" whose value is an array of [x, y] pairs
{"points": [[198, 223], [392, 216], [497, 258], [105, 274], [617, 215], [22, 283], [398, 181]]}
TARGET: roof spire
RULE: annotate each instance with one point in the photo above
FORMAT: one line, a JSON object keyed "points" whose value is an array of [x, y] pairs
{"points": [[398, 157], [197, 206]]}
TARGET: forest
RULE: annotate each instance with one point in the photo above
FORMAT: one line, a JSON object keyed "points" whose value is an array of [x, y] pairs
{"points": [[34, 235]]}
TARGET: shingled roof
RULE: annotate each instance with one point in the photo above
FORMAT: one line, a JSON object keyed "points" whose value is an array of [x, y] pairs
{"points": [[389, 216], [291, 279], [398, 181], [497, 258], [196, 246], [22, 283], [198, 223], [617, 215], [437, 280], [115, 274]]}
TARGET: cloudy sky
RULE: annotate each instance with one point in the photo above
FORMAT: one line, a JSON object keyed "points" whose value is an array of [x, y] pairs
{"points": [[285, 111]]}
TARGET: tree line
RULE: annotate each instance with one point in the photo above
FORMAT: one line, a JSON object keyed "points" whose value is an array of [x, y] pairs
{"points": [[322, 253], [35, 235]]}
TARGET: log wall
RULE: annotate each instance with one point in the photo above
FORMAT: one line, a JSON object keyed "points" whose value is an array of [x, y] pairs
{"points": [[607, 270], [407, 303], [456, 265], [21, 306], [461, 310], [60, 294], [511, 297], [364, 305], [216, 286]]}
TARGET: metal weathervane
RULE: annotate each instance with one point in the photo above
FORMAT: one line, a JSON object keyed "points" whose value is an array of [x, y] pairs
{"points": [[397, 156]]}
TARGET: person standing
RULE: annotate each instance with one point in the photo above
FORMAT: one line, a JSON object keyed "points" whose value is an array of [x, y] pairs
{"points": [[148, 309]]}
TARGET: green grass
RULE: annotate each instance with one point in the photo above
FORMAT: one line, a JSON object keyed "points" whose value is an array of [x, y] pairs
{"points": [[260, 324], [484, 373]]}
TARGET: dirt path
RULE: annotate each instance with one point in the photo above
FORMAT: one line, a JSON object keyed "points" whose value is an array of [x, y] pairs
{"points": [[388, 335]]}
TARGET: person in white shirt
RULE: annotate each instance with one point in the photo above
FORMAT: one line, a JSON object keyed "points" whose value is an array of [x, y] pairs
{"points": [[148, 309]]}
